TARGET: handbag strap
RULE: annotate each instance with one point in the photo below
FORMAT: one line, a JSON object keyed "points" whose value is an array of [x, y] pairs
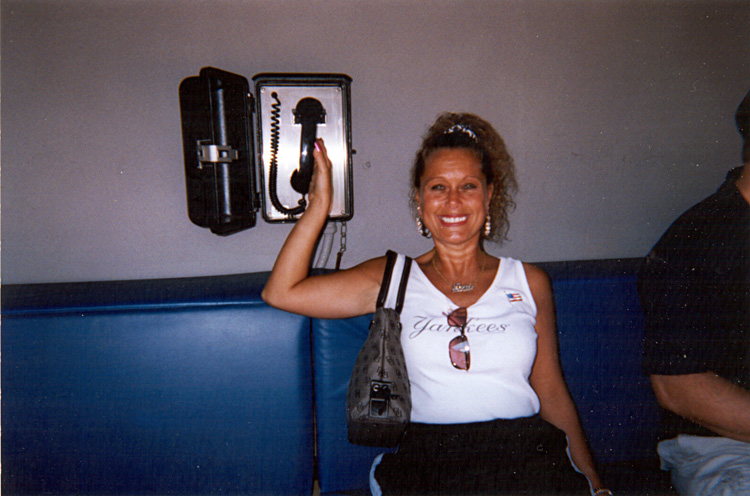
{"points": [[391, 257], [402, 285]]}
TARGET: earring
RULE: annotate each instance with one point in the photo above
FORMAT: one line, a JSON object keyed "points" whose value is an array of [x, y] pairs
{"points": [[487, 227], [422, 229], [420, 226]]}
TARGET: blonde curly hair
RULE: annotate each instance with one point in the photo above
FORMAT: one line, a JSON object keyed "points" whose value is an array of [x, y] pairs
{"points": [[464, 130]]}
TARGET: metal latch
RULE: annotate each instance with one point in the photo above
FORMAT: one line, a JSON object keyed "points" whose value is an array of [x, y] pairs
{"points": [[380, 397], [216, 154]]}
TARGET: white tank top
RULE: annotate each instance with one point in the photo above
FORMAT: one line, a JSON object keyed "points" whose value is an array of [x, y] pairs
{"points": [[502, 342]]}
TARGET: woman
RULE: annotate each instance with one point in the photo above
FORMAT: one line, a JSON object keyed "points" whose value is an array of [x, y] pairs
{"points": [[493, 417]]}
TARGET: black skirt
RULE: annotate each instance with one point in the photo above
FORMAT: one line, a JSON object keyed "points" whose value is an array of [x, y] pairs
{"points": [[526, 456]]}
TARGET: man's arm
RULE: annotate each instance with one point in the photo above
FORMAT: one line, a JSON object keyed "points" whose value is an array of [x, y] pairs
{"points": [[708, 400]]}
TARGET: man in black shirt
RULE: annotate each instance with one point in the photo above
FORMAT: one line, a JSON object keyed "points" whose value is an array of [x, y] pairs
{"points": [[695, 292]]}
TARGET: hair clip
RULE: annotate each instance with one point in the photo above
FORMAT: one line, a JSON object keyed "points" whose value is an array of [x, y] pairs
{"points": [[460, 128]]}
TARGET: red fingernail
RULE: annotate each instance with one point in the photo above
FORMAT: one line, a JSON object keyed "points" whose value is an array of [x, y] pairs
{"points": [[317, 146]]}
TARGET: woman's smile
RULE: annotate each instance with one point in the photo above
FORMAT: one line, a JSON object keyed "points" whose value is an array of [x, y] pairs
{"points": [[452, 220]]}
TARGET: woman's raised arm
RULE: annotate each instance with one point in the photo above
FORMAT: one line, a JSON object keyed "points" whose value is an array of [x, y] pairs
{"points": [[340, 294]]}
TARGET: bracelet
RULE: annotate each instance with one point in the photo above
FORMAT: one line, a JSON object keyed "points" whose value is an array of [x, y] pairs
{"points": [[601, 491]]}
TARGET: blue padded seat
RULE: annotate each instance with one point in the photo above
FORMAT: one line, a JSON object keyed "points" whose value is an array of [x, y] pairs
{"points": [[181, 386], [600, 326], [342, 467]]}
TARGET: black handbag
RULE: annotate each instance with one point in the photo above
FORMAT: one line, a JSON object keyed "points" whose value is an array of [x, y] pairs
{"points": [[378, 399]]}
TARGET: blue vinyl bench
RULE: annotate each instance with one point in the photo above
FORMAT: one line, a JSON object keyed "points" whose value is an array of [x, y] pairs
{"points": [[183, 386], [195, 386]]}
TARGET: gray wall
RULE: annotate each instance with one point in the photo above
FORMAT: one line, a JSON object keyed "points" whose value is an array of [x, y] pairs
{"points": [[619, 115]]}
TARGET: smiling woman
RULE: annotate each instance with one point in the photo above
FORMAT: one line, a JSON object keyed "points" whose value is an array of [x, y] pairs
{"points": [[489, 403]]}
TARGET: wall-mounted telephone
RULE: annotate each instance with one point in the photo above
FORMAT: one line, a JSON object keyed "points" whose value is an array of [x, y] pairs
{"points": [[291, 111]]}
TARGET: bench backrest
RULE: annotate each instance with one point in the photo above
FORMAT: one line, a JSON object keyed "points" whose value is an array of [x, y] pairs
{"points": [[185, 386]]}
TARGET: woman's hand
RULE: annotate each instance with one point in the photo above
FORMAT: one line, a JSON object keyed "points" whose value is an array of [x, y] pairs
{"points": [[320, 196]]}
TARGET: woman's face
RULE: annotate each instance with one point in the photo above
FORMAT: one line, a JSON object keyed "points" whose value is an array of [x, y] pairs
{"points": [[453, 195]]}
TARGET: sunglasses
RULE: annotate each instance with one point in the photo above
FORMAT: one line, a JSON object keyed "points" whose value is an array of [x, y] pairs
{"points": [[458, 348]]}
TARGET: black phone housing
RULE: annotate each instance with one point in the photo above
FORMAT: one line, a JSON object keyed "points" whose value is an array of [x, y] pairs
{"points": [[216, 109]]}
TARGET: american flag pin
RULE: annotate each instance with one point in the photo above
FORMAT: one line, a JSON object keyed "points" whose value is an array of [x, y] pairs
{"points": [[513, 297]]}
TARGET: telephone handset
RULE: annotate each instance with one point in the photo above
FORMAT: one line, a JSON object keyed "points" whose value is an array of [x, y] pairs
{"points": [[309, 112]]}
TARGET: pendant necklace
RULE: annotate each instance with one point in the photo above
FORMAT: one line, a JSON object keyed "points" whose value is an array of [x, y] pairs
{"points": [[460, 287]]}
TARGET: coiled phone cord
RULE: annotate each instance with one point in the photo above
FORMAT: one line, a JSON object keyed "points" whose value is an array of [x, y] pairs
{"points": [[273, 169]]}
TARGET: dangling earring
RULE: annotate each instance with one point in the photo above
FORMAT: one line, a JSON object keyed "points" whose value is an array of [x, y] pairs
{"points": [[487, 227], [420, 226], [422, 229]]}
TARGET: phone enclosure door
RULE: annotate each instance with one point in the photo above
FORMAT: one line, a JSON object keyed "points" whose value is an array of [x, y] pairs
{"points": [[218, 150]]}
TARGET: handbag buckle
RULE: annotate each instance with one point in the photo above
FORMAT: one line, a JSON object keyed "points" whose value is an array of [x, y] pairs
{"points": [[380, 398]]}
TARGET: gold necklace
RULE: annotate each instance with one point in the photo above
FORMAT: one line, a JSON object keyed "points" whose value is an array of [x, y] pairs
{"points": [[460, 287]]}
